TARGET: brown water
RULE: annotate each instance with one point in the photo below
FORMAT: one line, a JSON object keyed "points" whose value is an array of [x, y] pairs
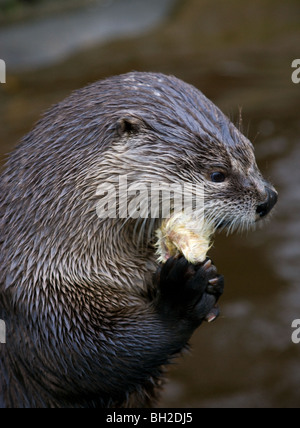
{"points": [[239, 54]]}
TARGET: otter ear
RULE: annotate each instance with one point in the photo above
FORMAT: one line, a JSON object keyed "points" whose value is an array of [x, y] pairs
{"points": [[129, 125]]}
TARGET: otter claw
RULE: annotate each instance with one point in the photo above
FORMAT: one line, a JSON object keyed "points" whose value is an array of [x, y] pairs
{"points": [[213, 315], [214, 281], [207, 265]]}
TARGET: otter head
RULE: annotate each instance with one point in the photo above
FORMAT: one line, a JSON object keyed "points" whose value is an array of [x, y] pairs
{"points": [[168, 131]]}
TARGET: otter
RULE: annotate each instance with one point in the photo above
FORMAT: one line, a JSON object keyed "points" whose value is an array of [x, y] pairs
{"points": [[92, 319]]}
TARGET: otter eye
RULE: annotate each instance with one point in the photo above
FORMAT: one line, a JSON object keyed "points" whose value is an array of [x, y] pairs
{"points": [[218, 177]]}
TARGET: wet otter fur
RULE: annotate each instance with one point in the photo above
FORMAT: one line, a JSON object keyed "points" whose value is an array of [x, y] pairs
{"points": [[91, 318]]}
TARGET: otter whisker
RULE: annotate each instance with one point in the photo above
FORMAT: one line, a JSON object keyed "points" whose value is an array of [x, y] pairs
{"points": [[233, 226], [141, 237], [151, 230], [123, 225], [137, 229]]}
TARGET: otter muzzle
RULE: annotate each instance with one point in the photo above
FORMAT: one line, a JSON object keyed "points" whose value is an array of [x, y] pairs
{"points": [[264, 208]]}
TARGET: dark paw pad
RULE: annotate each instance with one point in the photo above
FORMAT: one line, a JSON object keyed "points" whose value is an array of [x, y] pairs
{"points": [[189, 292]]}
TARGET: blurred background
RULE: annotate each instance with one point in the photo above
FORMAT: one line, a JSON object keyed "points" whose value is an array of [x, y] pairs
{"points": [[239, 53]]}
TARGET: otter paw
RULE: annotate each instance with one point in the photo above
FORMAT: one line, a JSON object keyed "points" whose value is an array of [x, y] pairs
{"points": [[189, 292]]}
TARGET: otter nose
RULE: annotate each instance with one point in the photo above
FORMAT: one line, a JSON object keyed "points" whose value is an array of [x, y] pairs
{"points": [[264, 208]]}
